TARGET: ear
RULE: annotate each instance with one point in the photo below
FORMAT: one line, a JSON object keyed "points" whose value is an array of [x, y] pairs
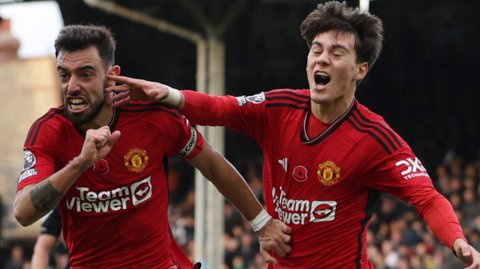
{"points": [[114, 70], [362, 70]]}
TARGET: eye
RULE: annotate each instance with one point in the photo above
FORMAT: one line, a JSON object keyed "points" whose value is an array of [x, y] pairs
{"points": [[62, 76], [86, 75], [316, 50]]}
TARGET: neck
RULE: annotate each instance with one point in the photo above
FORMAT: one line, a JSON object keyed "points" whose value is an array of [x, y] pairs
{"points": [[329, 112], [102, 119]]}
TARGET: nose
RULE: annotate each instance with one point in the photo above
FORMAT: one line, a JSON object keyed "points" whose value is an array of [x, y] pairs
{"points": [[73, 84], [323, 59]]}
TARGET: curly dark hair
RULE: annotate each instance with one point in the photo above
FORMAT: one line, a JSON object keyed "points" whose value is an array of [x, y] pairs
{"points": [[338, 17]]}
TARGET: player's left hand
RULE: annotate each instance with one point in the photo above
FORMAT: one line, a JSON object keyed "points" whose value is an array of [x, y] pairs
{"points": [[466, 254], [134, 90], [275, 235]]}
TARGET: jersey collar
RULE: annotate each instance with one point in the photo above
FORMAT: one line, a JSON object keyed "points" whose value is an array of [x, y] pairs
{"points": [[319, 138]]}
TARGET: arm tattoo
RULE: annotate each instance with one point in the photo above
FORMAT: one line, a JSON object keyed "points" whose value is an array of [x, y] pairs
{"points": [[44, 196]]}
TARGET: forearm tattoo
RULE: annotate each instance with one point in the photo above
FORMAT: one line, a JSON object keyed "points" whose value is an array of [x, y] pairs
{"points": [[44, 196]]}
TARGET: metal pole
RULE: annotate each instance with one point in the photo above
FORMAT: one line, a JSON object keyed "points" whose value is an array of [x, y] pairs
{"points": [[215, 136], [200, 237], [364, 5]]}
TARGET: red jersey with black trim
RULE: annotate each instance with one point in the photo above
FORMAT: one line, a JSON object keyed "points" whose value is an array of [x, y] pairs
{"points": [[116, 213], [325, 186]]}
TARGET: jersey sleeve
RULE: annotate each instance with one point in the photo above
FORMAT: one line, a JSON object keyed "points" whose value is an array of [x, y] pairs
{"points": [[39, 153], [400, 173], [244, 113], [403, 175], [175, 127]]}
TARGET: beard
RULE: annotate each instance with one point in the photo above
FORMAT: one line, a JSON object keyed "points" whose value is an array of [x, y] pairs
{"points": [[83, 118]]}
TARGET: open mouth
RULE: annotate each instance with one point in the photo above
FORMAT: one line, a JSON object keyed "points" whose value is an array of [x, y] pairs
{"points": [[321, 79], [77, 104]]}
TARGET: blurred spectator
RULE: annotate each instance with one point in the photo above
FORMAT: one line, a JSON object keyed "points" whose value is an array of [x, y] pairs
{"points": [[391, 256], [470, 206], [248, 246], [16, 259], [238, 262]]}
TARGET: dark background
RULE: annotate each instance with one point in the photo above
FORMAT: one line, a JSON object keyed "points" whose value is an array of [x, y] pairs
{"points": [[425, 83]]}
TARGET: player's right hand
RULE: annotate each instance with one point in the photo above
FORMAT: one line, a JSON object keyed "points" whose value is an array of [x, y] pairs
{"points": [[134, 90], [275, 236], [98, 143]]}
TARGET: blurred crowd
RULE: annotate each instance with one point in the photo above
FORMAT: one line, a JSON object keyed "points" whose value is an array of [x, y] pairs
{"points": [[397, 237]]}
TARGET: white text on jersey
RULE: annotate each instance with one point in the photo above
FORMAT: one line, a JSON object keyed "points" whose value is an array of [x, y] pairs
{"points": [[110, 200]]}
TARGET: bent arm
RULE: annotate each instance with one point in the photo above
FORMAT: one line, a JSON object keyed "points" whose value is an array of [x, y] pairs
{"points": [[204, 109], [41, 252], [36, 200], [227, 180]]}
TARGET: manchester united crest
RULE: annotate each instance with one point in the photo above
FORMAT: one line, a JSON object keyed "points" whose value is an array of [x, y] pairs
{"points": [[136, 160], [328, 173]]}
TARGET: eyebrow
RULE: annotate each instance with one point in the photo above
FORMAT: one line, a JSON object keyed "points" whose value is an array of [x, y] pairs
{"points": [[80, 68], [334, 46]]}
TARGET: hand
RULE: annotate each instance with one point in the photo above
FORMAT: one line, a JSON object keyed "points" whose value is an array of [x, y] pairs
{"points": [[275, 235], [466, 254], [98, 143], [134, 90]]}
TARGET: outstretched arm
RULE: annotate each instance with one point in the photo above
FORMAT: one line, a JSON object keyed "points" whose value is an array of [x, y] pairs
{"points": [[440, 217], [132, 89], [36, 200], [274, 234]]}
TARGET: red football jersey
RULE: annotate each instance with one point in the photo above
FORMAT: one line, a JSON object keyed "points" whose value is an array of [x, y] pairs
{"points": [[323, 187], [116, 213]]}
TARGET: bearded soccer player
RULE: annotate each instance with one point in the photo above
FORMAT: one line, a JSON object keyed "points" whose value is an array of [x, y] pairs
{"points": [[326, 156], [106, 167]]}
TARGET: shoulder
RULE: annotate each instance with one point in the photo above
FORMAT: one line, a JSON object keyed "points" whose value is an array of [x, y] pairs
{"points": [[300, 96], [371, 129], [283, 98], [47, 125]]}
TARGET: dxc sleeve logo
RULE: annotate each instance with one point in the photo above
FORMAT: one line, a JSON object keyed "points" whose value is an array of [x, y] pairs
{"points": [[412, 166]]}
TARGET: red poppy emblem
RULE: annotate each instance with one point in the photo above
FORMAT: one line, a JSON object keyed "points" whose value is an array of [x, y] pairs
{"points": [[100, 167], [300, 173]]}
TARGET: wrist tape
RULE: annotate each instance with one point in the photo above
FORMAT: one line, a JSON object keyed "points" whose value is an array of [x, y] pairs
{"points": [[260, 220], [173, 97]]}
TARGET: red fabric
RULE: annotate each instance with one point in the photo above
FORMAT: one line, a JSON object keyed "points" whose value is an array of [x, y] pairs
{"points": [[116, 213], [324, 185], [438, 214]]}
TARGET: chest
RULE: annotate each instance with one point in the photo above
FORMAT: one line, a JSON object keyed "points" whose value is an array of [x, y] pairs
{"points": [[329, 166], [131, 174]]}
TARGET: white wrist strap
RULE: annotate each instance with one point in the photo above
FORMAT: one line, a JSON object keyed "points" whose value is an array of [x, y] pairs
{"points": [[260, 220], [173, 97]]}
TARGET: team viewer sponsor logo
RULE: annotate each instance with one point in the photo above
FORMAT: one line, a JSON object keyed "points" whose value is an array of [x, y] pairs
{"points": [[412, 168], [297, 211], [111, 200]]}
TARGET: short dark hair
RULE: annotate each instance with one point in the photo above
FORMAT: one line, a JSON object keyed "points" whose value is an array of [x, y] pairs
{"points": [[78, 37], [336, 16]]}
